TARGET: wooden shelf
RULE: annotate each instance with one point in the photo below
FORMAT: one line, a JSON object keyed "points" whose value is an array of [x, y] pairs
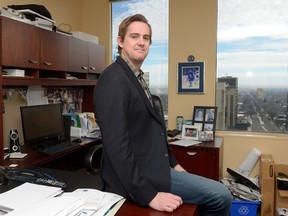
{"points": [[47, 58], [24, 81]]}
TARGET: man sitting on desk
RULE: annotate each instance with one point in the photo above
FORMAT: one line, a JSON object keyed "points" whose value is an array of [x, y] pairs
{"points": [[137, 162]]}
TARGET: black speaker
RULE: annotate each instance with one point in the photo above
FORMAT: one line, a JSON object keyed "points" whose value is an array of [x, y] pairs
{"points": [[67, 126], [14, 141]]}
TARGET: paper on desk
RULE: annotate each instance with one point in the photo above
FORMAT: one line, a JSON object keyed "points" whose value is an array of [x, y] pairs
{"points": [[96, 202], [185, 142], [95, 134], [60, 206], [17, 155], [25, 194]]}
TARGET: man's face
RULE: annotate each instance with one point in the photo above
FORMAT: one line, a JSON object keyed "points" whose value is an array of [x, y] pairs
{"points": [[136, 43]]}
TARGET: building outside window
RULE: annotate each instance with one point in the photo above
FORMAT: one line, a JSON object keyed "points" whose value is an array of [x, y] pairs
{"points": [[155, 66], [252, 66]]}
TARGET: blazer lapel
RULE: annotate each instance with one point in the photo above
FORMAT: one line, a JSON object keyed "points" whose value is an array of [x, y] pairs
{"points": [[135, 81]]}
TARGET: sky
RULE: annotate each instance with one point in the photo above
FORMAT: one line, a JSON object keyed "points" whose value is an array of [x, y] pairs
{"points": [[253, 42], [157, 15]]}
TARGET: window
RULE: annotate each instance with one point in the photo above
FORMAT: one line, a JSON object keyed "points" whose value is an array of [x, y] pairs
{"points": [[252, 69], [155, 66]]}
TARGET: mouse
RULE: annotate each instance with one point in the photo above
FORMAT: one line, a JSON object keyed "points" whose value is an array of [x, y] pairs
{"points": [[77, 140]]}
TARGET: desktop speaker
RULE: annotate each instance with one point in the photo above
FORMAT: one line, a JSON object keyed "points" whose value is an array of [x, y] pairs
{"points": [[14, 141], [67, 125]]}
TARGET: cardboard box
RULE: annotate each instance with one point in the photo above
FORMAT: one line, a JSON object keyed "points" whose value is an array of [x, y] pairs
{"points": [[267, 186], [281, 196]]}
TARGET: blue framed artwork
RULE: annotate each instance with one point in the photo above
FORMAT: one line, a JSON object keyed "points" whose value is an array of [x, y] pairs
{"points": [[191, 77]]}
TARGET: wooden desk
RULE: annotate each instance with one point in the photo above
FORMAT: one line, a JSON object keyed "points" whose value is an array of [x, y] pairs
{"points": [[130, 209], [72, 159], [81, 180]]}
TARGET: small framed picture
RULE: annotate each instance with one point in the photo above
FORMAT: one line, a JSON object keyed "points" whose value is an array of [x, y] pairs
{"points": [[206, 117], [206, 136], [190, 132], [191, 77]]}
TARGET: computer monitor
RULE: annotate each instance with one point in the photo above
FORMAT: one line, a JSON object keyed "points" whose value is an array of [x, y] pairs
{"points": [[41, 123]]}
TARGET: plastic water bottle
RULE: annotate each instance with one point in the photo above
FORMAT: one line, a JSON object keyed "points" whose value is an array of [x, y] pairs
{"points": [[179, 121]]}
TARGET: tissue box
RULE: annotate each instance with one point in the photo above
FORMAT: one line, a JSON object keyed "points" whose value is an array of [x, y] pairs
{"points": [[244, 208]]}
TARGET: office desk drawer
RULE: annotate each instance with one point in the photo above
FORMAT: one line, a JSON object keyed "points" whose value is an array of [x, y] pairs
{"points": [[201, 159]]}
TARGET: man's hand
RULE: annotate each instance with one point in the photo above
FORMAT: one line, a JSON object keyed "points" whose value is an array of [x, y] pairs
{"points": [[165, 202], [178, 167]]}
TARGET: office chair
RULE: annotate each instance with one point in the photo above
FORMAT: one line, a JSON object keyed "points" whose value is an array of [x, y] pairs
{"points": [[95, 152], [159, 108]]}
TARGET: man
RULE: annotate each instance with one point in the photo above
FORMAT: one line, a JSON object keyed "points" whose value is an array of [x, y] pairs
{"points": [[199, 115], [137, 162]]}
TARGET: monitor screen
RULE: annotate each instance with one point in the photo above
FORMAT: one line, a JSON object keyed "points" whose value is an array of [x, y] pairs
{"points": [[41, 123]]}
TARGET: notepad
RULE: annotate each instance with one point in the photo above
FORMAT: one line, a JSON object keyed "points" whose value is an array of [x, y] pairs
{"points": [[25, 194]]}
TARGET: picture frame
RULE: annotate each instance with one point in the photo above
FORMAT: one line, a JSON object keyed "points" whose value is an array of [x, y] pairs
{"points": [[205, 117], [205, 136], [191, 77], [190, 132]]}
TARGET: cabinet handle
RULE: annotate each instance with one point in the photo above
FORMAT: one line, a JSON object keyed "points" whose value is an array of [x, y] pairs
{"points": [[47, 63], [32, 61], [84, 68], [92, 68], [191, 153]]}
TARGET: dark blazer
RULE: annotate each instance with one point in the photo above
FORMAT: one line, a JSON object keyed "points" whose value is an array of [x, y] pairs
{"points": [[136, 157]]}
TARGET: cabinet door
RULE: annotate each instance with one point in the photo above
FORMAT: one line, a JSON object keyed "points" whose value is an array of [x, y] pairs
{"points": [[20, 44], [54, 51], [78, 55], [96, 58], [200, 161]]}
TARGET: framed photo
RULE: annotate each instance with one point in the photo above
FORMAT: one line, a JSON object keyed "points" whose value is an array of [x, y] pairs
{"points": [[206, 136], [206, 117], [191, 77], [190, 132]]}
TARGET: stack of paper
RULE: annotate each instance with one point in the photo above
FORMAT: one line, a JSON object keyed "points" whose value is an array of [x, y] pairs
{"points": [[60, 206], [26, 194], [96, 202], [33, 200]]}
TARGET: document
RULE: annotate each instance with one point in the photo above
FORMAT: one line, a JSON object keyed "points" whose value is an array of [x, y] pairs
{"points": [[31, 199], [26, 194], [96, 202], [60, 206], [185, 142], [95, 134], [35, 96]]}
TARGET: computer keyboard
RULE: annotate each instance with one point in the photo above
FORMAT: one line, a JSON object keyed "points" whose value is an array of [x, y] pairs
{"points": [[61, 147]]}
